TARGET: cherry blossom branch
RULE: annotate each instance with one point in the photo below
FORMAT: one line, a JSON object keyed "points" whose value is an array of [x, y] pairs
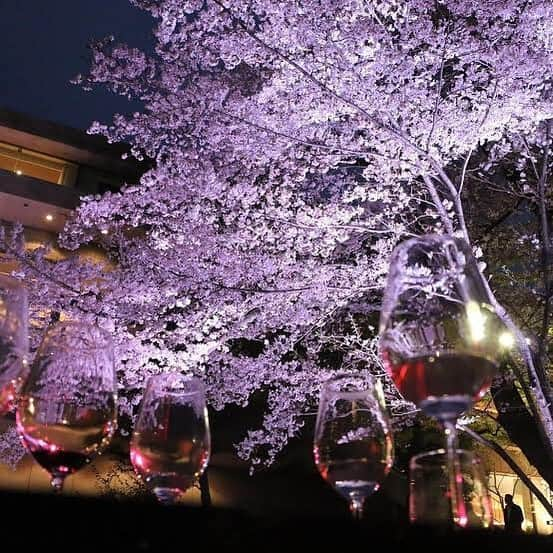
{"points": [[455, 198], [25, 261], [446, 220], [314, 227], [332, 148], [220, 286], [265, 129], [393, 129], [293, 64], [257, 290], [471, 150], [496, 222], [438, 92], [327, 315], [531, 158]]}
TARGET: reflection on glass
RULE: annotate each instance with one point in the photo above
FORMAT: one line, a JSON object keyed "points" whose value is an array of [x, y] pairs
{"points": [[440, 337], [66, 414], [14, 344], [171, 442], [429, 501], [353, 447]]}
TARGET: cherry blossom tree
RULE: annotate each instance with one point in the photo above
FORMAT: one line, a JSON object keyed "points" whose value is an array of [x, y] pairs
{"points": [[294, 144]]}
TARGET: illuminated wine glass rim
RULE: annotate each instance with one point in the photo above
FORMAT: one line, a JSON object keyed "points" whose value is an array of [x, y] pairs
{"points": [[398, 261], [360, 385], [176, 384], [92, 336], [437, 457], [67, 398]]}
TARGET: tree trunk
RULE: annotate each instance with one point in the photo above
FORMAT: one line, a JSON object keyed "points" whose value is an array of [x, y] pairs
{"points": [[518, 422], [540, 404]]}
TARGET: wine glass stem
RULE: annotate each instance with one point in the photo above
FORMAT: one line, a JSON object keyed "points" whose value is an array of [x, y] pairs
{"points": [[57, 484], [455, 476], [356, 509], [451, 437], [167, 496]]}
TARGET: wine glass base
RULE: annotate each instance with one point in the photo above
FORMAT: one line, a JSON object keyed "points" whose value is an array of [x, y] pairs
{"points": [[445, 408], [356, 490], [57, 482], [168, 496]]}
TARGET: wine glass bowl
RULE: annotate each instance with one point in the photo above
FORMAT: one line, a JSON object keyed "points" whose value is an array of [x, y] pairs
{"points": [[440, 338], [66, 413], [13, 340], [171, 442], [353, 446], [429, 498]]}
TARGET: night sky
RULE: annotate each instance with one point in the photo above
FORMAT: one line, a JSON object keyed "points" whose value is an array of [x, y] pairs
{"points": [[43, 45]]}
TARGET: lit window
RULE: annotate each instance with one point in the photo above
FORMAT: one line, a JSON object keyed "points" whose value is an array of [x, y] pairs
{"points": [[33, 164]]}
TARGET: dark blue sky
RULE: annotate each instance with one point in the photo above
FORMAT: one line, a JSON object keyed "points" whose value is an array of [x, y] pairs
{"points": [[43, 44]]}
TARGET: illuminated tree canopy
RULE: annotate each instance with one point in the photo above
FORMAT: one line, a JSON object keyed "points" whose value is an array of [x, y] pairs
{"points": [[293, 145]]}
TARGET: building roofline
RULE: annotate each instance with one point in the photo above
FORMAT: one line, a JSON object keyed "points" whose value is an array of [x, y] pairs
{"points": [[67, 143]]}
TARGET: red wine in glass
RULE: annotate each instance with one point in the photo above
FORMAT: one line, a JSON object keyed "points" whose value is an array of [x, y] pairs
{"points": [[168, 466], [64, 437], [443, 385]]}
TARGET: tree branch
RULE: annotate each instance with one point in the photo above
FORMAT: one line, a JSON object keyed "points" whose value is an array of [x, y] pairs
{"points": [[502, 218], [512, 464], [262, 128], [545, 243], [389, 127], [438, 203]]}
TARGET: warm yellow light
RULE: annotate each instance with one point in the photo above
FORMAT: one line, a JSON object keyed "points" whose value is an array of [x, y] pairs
{"points": [[506, 340], [104, 231], [18, 172], [49, 217], [476, 321]]}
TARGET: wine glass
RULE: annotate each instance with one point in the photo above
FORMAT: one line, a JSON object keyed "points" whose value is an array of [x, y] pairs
{"points": [[353, 447], [66, 413], [171, 443], [439, 334], [429, 501], [14, 343]]}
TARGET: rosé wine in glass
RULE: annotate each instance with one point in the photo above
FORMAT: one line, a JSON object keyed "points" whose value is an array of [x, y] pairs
{"points": [[170, 446], [353, 446], [67, 411]]}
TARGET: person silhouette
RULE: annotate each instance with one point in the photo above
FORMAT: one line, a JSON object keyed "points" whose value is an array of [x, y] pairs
{"points": [[512, 515]]}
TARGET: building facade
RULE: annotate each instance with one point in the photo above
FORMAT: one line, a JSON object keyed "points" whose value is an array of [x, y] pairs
{"points": [[45, 168]]}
